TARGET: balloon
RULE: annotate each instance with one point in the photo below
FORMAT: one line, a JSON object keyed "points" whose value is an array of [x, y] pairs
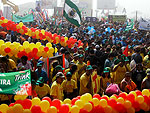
{"points": [[48, 45], [3, 108], [20, 24], [56, 50], [143, 106], [131, 110], [103, 103], [21, 31], [52, 109], [79, 103], [35, 50], [48, 99], [134, 93], [38, 44], [37, 32], [51, 50], [7, 49], [25, 44], [120, 108], [44, 104], [74, 100], [1, 42], [108, 109], [130, 97], [67, 101], [138, 92], [84, 98], [140, 99], [146, 92], [12, 46], [36, 101], [43, 31], [36, 109], [97, 96], [27, 104], [26, 111], [5, 20], [17, 108], [56, 103], [12, 104], [46, 49], [127, 104], [1, 22], [41, 48], [27, 50], [74, 109], [7, 44], [121, 100], [123, 95], [64, 108], [95, 101], [88, 107]]}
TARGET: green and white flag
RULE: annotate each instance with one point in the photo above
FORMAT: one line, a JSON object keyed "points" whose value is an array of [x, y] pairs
{"points": [[130, 25], [72, 13]]}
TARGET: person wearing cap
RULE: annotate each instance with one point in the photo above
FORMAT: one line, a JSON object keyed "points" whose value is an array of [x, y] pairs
{"points": [[105, 79], [57, 69], [69, 86], [24, 63], [146, 81], [127, 84], [41, 73], [75, 58], [56, 88], [41, 88], [85, 81]]}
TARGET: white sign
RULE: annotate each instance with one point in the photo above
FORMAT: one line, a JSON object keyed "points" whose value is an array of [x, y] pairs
{"points": [[144, 24]]}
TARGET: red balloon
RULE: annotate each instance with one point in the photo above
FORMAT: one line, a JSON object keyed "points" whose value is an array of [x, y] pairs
{"points": [[36, 109], [97, 96], [19, 102], [56, 103], [146, 99], [48, 99], [74, 100], [138, 92], [136, 105], [62, 39], [130, 97], [98, 109], [2, 18], [92, 104], [83, 111], [78, 97], [35, 50], [64, 108], [27, 104], [120, 108], [12, 104], [112, 102], [104, 97], [46, 49], [79, 41], [7, 49], [123, 95]]}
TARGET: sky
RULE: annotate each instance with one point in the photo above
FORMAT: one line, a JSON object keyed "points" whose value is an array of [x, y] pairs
{"points": [[141, 6]]}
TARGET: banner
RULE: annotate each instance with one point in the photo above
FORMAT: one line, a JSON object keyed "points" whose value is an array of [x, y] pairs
{"points": [[117, 18], [91, 19], [16, 83], [95, 83], [27, 18], [130, 25], [144, 24]]}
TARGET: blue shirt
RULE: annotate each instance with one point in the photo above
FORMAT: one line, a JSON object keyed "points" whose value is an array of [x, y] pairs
{"points": [[42, 74]]}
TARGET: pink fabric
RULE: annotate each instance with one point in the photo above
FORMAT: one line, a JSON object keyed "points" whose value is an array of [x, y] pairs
{"points": [[112, 89]]}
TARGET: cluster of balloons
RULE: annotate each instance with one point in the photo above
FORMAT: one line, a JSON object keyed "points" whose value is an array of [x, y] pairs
{"points": [[122, 103], [30, 50], [37, 33]]}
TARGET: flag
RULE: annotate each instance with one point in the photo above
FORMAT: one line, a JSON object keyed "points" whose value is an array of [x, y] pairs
{"points": [[126, 51], [72, 13], [130, 25], [95, 82]]}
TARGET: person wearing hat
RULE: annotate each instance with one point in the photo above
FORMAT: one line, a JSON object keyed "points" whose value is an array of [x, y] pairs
{"points": [[42, 89], [41, 73], [57, 69], [69, 87], [146, 80], [75, 58], [56, 88], [85, 81], [105, 79]]}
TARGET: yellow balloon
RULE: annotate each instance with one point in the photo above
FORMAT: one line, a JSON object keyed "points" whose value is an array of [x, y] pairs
{"points": [[16, 44], [26, 111], [10, 110], [146, 92], [37, 37], [36, 101], [29, 31], [67, 101], [75, 109], [39, 54], [5, 20], [12, 46], [103, 103], [1, 22], [95, 101], [37, 32], [4, 108], [134, 93], [57, 39], [52, 109], [43, 31], [79, 103], [51, 50], [131, 110], [21, 31], [108, 109], [140, 99], [32, 45], [127, 104], [27, 50], [89, 96], [7, 44], [66, 38], [26, 44], [44, 105], [21, 48], [88, 107], [41, 48], [20, 24], [84, 98], [3, 46], [17, 26], [1, 42], [56, 50], [14, 51], [17, 108], [38, 44], [121, 100], [49, 45], [113, 97]]}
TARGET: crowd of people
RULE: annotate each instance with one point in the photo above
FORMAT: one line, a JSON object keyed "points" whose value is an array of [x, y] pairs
{"points": [[102, 52]]}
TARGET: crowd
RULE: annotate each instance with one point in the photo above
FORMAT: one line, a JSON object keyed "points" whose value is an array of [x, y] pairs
{"points": [[102, 52]]}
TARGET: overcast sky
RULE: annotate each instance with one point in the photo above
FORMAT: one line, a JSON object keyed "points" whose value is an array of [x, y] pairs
{"points": [[142, 6]]}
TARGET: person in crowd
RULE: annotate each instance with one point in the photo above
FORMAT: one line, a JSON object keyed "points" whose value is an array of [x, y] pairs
{"points": [[85, 81], [67, 56], [69, 86], [75, 58], [56, 88], [41, 73], [127, 84], [57, 69], [24, 62], [146, 81], [106, 79], [42, 89], [109, 61], [146, 61]]}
